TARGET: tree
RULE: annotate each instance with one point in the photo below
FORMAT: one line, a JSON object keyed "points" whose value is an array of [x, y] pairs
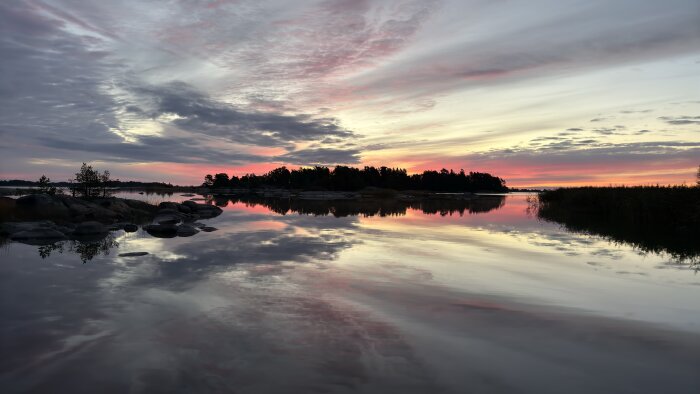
{"points": [[90, 183], [221, 180], [208, 180], [45, 185], [104, 181]]}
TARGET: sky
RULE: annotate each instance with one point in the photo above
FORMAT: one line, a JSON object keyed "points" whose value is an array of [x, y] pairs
{"points": [[540, 93]]}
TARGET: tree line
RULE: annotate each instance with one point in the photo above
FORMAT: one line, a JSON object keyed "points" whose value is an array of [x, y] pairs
{"points": [[342, 178]]}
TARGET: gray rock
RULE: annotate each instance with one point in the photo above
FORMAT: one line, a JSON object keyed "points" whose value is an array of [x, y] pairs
{"points": [[42, 206], [130, 228], [190, 204], [39, 234], [133, 254], [161, 230], [90, 228], [208, 229], [186, 231], [166, 219], [184, 209], [168, 205], [64, 229], [8, 228], [33, 200]]}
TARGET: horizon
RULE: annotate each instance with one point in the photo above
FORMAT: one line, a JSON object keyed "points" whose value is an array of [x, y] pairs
{"points": [[542, 94]]}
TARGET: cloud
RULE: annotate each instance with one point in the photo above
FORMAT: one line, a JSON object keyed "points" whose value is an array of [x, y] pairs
{"points": [[53, 82], [200, 114], [158, 149], [321, 156], [681, 120]]}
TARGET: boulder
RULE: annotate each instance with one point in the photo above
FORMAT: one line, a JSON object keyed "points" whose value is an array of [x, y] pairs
{"points": [[166, 219], [133, 254], [8, 228], [168, 205], [186, 231], [190, 204], [90, 228], [161, 230], [38, 234], [184, 208], [130, 228], [207, 229], [42, 206]]}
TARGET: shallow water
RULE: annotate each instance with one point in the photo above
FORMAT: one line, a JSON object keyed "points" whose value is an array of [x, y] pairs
{"points": [[489, 300]]}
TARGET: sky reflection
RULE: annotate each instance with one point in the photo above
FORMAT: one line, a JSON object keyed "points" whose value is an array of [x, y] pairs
{"points": [[489, 301]]}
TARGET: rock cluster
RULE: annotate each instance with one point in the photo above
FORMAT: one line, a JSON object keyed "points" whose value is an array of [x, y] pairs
{"points": [[43, 219], [180, 220]]}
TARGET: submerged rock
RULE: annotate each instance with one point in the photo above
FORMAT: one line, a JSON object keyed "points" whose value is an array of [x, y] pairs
{"points": [[133, 254], [208, 229], [186, 231]]}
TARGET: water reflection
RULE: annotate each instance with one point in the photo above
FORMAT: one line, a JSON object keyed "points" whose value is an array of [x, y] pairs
{"points": [[681, 242], [366, 207], [86, 249], [411, 303]]}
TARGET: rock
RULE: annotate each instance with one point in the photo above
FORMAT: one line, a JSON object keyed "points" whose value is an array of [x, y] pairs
{"points": [[207, 229], [166, 219], [161, 230], [33, 200], [64, 229], [198, 224], [8, 228], [168, 211], [90, 228], [207, 211], [168, 205], [41, 206], [184, 208], [133, 254], [190, 204], [38, 234], [130, 228], [186, 231]]}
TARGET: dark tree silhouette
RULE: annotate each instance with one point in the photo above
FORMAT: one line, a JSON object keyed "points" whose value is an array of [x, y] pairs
{"points": [[45, 186], [90, 182], [350, 179]]}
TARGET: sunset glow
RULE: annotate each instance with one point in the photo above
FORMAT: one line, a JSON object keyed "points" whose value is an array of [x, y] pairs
{"points": [[543, 93]]}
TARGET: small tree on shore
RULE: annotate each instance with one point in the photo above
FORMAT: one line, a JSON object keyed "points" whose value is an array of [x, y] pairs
{"points": [[90, 182], [45, 187]]}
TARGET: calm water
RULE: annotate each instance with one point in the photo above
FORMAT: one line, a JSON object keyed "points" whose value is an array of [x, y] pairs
{"points": [[411, 302]]}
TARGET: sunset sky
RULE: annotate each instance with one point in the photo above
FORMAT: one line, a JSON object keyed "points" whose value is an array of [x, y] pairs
{"points": [[541, 93]]}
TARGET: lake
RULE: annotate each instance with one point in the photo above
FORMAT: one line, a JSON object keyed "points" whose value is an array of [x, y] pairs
{"points": [[341, 298]]}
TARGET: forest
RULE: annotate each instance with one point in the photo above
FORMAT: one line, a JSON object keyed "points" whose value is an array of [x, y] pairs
{"points": [[342, 178]]}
